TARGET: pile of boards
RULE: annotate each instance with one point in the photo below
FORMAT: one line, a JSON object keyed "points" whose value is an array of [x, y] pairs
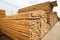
{"points": [[32, 23]]}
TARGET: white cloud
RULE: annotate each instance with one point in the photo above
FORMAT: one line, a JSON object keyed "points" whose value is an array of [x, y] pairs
{"points": [[18, 3], [58, 8]]}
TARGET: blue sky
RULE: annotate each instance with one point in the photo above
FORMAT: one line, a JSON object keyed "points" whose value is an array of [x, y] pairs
{"points": [[12, 6]]}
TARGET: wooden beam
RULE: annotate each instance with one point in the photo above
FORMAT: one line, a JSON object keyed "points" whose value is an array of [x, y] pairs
{"points": [[54, 3]]}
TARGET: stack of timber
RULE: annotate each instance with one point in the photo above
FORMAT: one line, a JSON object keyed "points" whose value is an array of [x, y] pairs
{"points": [[2, 14], [30, 24], [41, 6]]}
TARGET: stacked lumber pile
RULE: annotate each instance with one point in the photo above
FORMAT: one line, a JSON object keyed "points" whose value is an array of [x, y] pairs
{"points": [[41, 6], [2, 14], [30, 24]]}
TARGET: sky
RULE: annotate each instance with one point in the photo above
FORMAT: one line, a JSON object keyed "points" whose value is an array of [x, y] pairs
{"points": [[12, 6]]}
